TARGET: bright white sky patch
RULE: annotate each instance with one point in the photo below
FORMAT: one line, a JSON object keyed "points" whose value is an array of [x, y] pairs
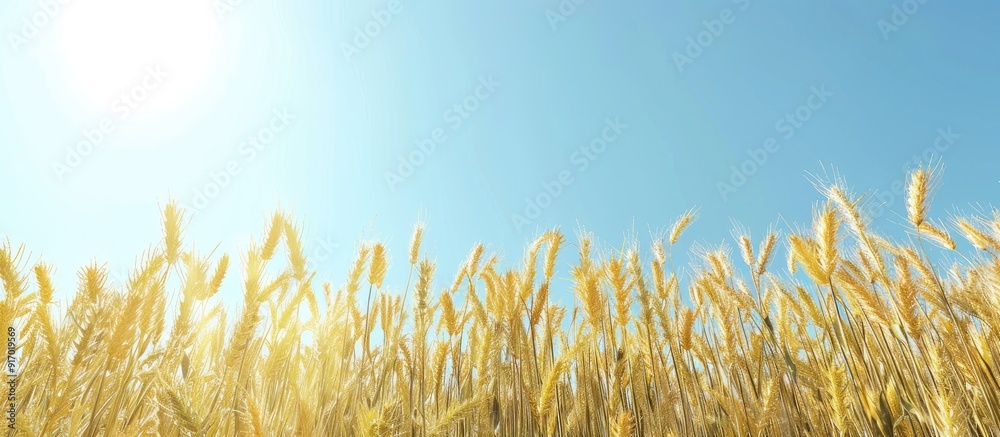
{"points": [[107, 47]]}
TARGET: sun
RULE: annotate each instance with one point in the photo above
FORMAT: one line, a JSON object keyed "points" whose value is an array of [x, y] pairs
{"points": [[108, 49]]}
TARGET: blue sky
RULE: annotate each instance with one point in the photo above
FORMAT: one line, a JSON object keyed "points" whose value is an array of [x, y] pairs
{"points": [[632, 112]]}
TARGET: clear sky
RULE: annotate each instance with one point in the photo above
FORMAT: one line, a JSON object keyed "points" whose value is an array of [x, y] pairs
{"points": [[361, 117]]}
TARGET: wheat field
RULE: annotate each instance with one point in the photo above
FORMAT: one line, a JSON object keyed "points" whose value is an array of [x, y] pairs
{"points": [[855, 335]]}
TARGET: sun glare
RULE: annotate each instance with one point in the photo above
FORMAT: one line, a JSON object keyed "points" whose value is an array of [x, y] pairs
{"points": [[146, 57]]}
